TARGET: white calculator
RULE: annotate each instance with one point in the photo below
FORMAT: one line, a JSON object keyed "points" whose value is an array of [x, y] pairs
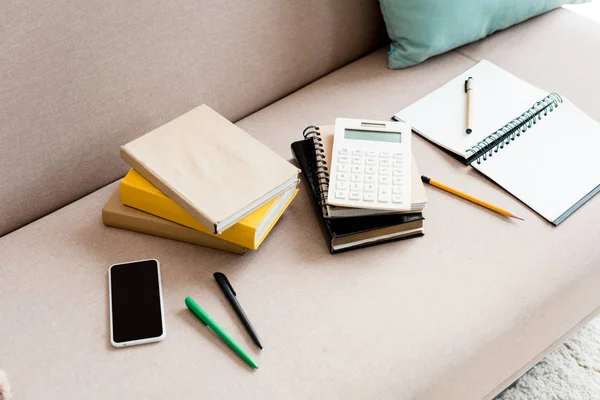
{"points": [[370, 165]]}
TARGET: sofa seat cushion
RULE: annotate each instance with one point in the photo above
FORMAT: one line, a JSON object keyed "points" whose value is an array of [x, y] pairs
{"points": [[557, 51], [454, 315]]}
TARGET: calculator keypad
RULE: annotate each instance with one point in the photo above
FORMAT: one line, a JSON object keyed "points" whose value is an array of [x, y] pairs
{"points": [[342, 177], [370, 177]]}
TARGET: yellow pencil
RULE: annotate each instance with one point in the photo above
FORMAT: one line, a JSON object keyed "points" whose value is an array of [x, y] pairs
{"points": [[469, 197]]}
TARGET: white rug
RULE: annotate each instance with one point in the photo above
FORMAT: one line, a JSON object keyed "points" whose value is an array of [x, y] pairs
{"points": [[571, 372], [590, 10]]}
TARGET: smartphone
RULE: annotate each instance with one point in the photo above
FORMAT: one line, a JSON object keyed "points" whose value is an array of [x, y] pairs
{"points": [[136, 303]]}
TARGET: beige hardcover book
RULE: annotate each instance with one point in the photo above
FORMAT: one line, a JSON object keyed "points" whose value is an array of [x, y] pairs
{"points": [[117, 215], [210, 167], [418, 198]]}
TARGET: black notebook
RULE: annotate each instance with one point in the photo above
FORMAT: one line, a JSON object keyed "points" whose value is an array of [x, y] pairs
{"points": [[355, 232]]}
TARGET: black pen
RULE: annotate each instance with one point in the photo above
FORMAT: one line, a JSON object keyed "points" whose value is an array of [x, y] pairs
{"points": [[230, 294]]}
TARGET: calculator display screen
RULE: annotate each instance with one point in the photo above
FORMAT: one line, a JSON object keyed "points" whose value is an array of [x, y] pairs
{"points": [[374, 136]]}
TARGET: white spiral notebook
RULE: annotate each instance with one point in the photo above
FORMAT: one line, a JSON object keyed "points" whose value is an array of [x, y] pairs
{"points": [[537, 145]]}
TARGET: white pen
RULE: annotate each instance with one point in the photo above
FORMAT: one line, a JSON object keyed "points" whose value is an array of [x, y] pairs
{"points": [[469, 92]]}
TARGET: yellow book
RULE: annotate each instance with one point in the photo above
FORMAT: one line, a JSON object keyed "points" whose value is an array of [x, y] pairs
{"points": [[250, 231], [118, 215]]}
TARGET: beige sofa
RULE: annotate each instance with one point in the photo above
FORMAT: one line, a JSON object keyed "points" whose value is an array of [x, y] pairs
{"points": [[458, 314]]}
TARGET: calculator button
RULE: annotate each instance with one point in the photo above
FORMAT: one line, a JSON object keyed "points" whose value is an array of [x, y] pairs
{"points": [[398, 163], [371, 161], [370, 179], [358, 169], [385, 154], [343, 160], [357, 160], [342, 185], [397, 180], [385, 171], [343, 168], [398, 155], [369, 187], [384, 195], [368, 197], [356, 178], [344, 151], [384, 162], [354, 196], [371, 170], [356, 187], [384, 180], [357, 152], [342, 177], [340, 194], [397, 198], [371, 154], [397, 190], [398, 172]]}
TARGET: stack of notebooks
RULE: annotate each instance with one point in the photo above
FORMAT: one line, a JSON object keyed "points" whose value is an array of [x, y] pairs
{"points": [[351, 228], [200, 179]]}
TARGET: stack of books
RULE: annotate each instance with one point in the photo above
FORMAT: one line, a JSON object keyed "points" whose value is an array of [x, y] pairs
{"points": [[350, 228], [200, 179]]}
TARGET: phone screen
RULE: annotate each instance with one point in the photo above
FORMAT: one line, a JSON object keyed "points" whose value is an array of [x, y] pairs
{"points": [[136, 301]]}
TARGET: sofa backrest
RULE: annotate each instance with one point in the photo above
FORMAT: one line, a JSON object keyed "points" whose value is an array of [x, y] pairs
{"points": [[79, 79]]}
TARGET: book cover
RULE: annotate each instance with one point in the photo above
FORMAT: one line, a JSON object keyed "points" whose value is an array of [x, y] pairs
{"points": [[211, 168], [250, 231], [117, 215]]}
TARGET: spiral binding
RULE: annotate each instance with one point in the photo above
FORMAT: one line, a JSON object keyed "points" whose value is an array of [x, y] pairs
{"points": [[514, 128], [312, 132]]}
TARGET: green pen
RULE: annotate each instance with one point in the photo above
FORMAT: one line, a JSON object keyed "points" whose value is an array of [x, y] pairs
{"points": [[207, 320]]}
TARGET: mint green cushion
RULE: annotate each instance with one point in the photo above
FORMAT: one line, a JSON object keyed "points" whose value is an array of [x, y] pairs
{"points": [[420, 29]]}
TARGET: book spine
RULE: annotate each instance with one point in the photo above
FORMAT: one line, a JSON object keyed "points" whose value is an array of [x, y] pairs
{"points": [[312, 132], [301, 151]]}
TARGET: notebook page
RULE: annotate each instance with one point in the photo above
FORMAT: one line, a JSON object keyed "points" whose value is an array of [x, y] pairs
{"points": [[498, 98], [551, 166]]}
